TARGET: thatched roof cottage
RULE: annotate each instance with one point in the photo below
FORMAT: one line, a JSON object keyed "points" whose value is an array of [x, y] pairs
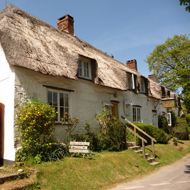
{"points": [[40, 61]]}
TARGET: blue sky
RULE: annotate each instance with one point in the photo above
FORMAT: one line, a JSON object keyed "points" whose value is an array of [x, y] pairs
{"points": [[127, 29]]}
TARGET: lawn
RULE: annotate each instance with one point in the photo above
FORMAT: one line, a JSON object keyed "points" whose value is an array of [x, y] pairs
{"points": [[106, 169]]}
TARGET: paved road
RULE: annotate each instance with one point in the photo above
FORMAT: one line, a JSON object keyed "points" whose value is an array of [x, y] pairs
{"points": [[172, 177]]}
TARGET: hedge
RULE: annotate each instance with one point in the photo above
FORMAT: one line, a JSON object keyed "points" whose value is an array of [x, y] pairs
{"points": [[158, 134]]}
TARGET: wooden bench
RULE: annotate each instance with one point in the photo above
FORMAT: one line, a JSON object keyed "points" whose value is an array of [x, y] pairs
{"points": [[79, 147]]}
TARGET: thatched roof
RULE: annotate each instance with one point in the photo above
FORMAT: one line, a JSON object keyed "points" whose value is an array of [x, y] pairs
{"points": [[33, 44]]}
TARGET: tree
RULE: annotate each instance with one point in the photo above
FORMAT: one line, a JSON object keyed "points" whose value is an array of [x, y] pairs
{"points": [[186, 3], [171, 64]]}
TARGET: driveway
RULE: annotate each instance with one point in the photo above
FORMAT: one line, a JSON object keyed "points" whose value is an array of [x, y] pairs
{"points": [[173, 177]]}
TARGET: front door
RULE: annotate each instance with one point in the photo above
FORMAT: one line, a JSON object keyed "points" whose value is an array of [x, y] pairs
{"points": [[115, 109], [2, 107]]}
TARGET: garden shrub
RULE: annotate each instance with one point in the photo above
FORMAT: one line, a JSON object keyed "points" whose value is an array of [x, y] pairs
{"points": [[163, 124], [158, 134], [173, 118], [35, 120], [113, 139], [180, 130], [188, 119], [112, 134], [113, 131]]}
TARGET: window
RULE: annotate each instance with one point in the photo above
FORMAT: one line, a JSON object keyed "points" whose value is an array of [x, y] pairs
{"points": [[143, 90], [60, 101], [168, 116], [130, 81], [84, 69], [163, 92], [137, 114]]}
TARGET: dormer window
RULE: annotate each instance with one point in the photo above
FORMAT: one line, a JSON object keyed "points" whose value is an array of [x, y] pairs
{"points": [[163, 92], [84, 69], [143, 85], [130, 81]]}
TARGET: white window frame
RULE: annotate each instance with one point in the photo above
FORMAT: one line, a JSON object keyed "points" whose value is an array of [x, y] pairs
{"points": [[59, 105], [130, 81], [84, 68], [136, 114], [169, 118]]}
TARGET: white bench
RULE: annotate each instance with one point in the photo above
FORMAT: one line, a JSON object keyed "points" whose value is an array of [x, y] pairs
{"points": [[79, 147]]}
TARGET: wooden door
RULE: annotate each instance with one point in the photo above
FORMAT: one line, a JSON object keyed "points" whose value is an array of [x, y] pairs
{"points": [[2, 107], [115, 109]]}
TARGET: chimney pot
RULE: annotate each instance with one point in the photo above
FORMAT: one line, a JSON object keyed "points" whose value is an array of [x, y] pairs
{"points": [[66, 23], [132, 64]]}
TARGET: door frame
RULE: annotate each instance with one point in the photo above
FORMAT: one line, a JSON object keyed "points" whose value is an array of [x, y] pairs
{"points": [[114, 108]]}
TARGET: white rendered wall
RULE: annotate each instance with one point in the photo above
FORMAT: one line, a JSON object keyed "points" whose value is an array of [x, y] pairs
{"points": [[86, 100], [7, 78]]}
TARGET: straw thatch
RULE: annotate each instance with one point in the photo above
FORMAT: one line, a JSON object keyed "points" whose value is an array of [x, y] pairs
{"points": [[33, 44]]}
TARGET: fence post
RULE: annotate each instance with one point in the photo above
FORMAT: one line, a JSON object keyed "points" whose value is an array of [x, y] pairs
{"points": [[153, 147], [143, 149], [135, 131]]}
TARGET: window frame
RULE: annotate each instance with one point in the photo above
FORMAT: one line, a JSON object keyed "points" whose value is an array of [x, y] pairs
{"points": [[137, 114], [84, 68], [65, 104]]}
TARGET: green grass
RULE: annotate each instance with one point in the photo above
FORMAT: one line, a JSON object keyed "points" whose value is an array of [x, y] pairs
{"points": [[105, 170]]}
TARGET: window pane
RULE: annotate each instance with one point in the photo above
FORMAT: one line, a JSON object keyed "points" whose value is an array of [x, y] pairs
{"points": [[61, 112], [66, 110], [66, 100], [61, 99], [134, 114], [138, 115], [86, 70], [54, 99], [50, 98], [80, 68]]}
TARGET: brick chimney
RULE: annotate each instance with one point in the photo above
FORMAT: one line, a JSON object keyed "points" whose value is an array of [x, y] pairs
{"points": [[153, 77], [66, 23], [132, 64]]}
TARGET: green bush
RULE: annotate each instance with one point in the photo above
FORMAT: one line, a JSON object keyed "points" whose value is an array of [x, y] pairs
{"points": [[163, 123], [113, 131], [112, 135], [158, 134], [180, 130], [174, 118], [188, 119], [116, 135], [35, 120]]}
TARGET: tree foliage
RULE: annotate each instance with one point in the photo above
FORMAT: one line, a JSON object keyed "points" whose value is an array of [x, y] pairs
{"points": [[171, 64], [186, 3]]}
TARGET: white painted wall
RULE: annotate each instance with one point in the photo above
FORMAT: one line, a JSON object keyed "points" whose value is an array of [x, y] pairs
{"points": [[7, 78], [86, 100]]}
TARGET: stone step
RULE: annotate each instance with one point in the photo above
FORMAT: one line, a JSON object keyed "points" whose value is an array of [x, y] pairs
{"points": [[154, 163], [151, 160], [135, 147], [130, 144], [139, 151], [9, 176], [17, 184], [147, 156]]}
